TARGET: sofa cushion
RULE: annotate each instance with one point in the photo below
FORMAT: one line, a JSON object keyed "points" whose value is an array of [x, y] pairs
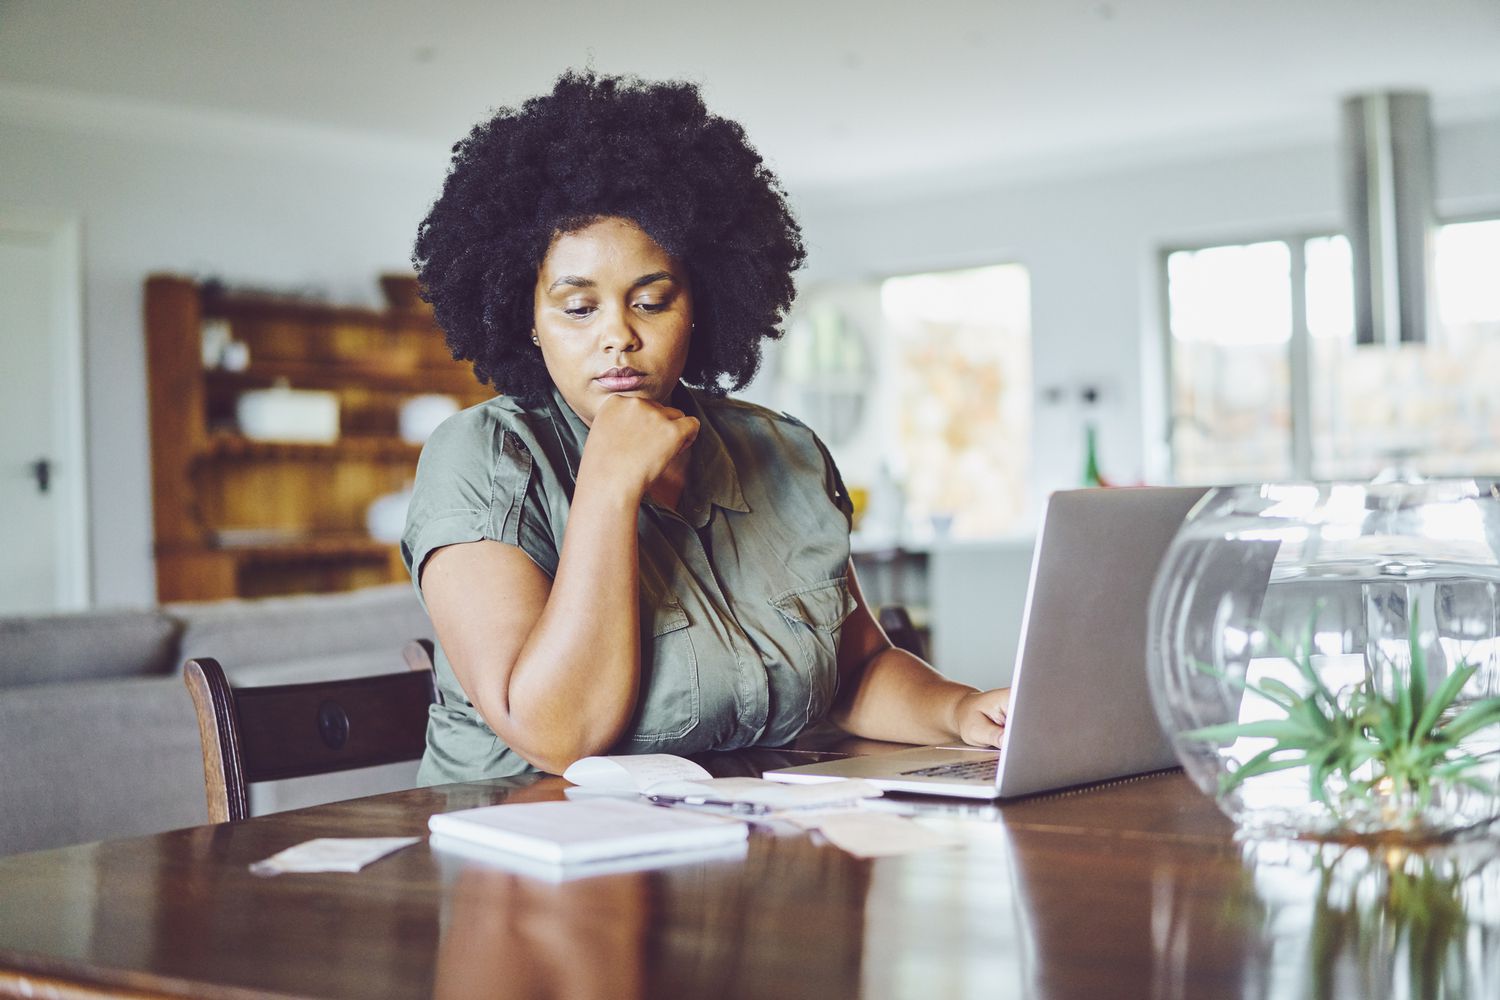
{"points": [[331, 634], [328, 667], [94, 645], [98, 760]]}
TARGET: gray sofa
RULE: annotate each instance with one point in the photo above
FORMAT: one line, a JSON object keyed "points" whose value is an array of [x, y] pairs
{"points": [[97, 733]]}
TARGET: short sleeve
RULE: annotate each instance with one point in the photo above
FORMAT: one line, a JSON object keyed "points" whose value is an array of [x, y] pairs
{"points": [[832, 480], [476, 480]]}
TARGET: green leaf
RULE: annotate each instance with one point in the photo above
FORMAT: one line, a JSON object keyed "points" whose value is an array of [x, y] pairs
{"points": [[1299, 658], [1403, 705], [1443, 697], [1311, 715], [1280, 692], [1472, 719], [1434, 751], [1261, 763], [1283, 700], [1457, 766], [1361, 754], [1382, 728], [1321, 764], [1416, 681]]}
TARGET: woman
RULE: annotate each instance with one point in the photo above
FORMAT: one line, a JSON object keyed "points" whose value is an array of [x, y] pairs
{"points": [[615, 562]]}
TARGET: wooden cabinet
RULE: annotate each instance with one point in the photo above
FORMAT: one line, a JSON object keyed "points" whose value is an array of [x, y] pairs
{"points": [[241, 517]]}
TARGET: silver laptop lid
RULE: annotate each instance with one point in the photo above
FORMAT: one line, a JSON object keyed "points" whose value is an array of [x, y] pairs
{"points": [[1080, 704]]}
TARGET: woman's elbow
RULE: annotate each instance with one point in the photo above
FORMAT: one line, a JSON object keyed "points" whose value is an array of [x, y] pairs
{"points": [[550, 748]]}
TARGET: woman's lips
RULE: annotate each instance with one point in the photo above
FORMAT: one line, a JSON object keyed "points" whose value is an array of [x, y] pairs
{"points": [[621, 380]]}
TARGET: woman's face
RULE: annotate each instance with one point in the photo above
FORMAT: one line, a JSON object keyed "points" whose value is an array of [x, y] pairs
{"points": [[613, 314]]}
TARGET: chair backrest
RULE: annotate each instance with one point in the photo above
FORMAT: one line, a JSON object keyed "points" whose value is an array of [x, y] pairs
{"points": [[896, 622], [294, 730]]}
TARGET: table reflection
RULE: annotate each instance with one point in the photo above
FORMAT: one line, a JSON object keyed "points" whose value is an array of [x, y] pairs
{"points": [[724, 926], [512, 935], [1347, 921]]}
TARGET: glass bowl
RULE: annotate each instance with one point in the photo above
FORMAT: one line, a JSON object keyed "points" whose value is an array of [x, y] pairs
{"points": [[1323, 656]]}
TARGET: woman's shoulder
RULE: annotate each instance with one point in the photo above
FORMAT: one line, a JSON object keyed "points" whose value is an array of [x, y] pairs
{"points": [[480, 429], [730, 415], [759, 437]]}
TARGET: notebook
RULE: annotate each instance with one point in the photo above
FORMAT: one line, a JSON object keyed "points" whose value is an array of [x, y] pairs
{"points": [[566, 833], [1080, 708], [455, 855]]}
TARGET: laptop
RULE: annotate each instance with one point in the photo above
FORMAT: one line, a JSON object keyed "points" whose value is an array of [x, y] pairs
{"points": [[1080, 703]]}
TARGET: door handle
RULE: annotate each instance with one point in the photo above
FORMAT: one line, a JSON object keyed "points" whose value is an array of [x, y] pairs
{"points": [[41, 469]]}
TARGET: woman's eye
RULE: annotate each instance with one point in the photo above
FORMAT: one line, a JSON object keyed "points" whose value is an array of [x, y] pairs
{"points": [[652, 307], [578, 312]]}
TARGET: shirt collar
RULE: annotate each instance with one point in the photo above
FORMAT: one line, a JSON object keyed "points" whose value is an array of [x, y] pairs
{"points": [[713, 479]]}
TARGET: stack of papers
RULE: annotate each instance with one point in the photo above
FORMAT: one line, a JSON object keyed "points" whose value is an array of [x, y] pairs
{"points": [[665, 778]]}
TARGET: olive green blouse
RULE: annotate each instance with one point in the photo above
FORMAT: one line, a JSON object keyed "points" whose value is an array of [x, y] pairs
{"points": [[743, 589]]}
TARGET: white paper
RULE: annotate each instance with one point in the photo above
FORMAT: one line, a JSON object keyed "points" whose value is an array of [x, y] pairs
{"points": [[769, 795], [875, 835], [632, 772], [673, 777], [331, 854]]}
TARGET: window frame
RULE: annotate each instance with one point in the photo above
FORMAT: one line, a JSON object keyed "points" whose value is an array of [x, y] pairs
{"points": [[1299, 346]]}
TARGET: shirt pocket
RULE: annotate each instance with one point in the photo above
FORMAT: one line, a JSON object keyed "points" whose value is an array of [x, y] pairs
{"points": [[816, 616], [669, 702]]}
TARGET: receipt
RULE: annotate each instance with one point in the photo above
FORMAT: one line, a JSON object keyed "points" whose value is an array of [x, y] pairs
{"points": [[331, 854]]}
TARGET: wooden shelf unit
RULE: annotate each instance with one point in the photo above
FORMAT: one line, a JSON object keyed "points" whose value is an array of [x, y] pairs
{"points": [[305, 503]]}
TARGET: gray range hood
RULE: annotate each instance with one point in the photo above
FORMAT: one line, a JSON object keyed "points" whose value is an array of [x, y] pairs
{"points": [[1390, 215]]}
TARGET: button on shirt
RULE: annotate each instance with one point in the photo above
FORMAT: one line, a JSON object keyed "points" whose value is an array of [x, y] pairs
{"points": [[743, 588]]}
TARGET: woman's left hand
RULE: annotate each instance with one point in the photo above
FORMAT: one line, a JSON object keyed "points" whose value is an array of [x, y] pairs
{"points": [[979, 718]]}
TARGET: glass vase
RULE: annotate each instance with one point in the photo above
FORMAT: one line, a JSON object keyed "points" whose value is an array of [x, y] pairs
{"points": [[1325, 657]]}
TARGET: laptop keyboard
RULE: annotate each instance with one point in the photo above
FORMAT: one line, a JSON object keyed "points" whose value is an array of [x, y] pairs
{"points": [[966, 770]]}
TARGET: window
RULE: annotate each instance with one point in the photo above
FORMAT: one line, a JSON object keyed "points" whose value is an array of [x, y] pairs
{"points": [[942, 365], [1266, 382], [1231, 324]]}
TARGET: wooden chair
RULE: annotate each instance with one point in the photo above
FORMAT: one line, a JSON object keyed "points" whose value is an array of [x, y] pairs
{"points": [[897, 623], [294, 730]]}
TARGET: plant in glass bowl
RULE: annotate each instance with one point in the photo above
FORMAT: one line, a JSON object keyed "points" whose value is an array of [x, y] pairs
{"points": [[1382, 717], [1361, 747]]}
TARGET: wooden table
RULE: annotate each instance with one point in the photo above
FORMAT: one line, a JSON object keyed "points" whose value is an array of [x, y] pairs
{"points": [[1135, 889]]}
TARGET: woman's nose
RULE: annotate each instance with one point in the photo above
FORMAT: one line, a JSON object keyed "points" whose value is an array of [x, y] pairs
{"points": [[617, 334]]}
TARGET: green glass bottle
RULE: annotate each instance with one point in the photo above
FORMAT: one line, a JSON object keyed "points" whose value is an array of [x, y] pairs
{"points": [[1091, 474]]}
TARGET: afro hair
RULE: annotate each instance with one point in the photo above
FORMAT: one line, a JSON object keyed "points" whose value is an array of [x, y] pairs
{"points": [[606, 146]]}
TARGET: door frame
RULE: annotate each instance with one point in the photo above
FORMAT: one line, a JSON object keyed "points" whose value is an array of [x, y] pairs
{"points": [[62, 235]]}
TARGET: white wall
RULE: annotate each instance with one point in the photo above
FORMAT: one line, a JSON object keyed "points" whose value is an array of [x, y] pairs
{"points": [[252, 205], [1091, 238], [260, 205]]}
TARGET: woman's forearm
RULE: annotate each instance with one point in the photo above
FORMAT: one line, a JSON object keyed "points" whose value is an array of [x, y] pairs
{"points": [[574, 686], [898, 697]]}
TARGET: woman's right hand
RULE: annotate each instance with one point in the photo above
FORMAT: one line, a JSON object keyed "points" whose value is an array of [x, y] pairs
{"points": [[633, 441]]}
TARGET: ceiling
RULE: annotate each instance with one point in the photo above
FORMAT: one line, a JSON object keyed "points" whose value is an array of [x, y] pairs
{"points": [[838, 95]]}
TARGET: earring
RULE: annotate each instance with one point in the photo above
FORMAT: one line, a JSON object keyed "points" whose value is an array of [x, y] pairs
{"points": [[535, 341]]}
